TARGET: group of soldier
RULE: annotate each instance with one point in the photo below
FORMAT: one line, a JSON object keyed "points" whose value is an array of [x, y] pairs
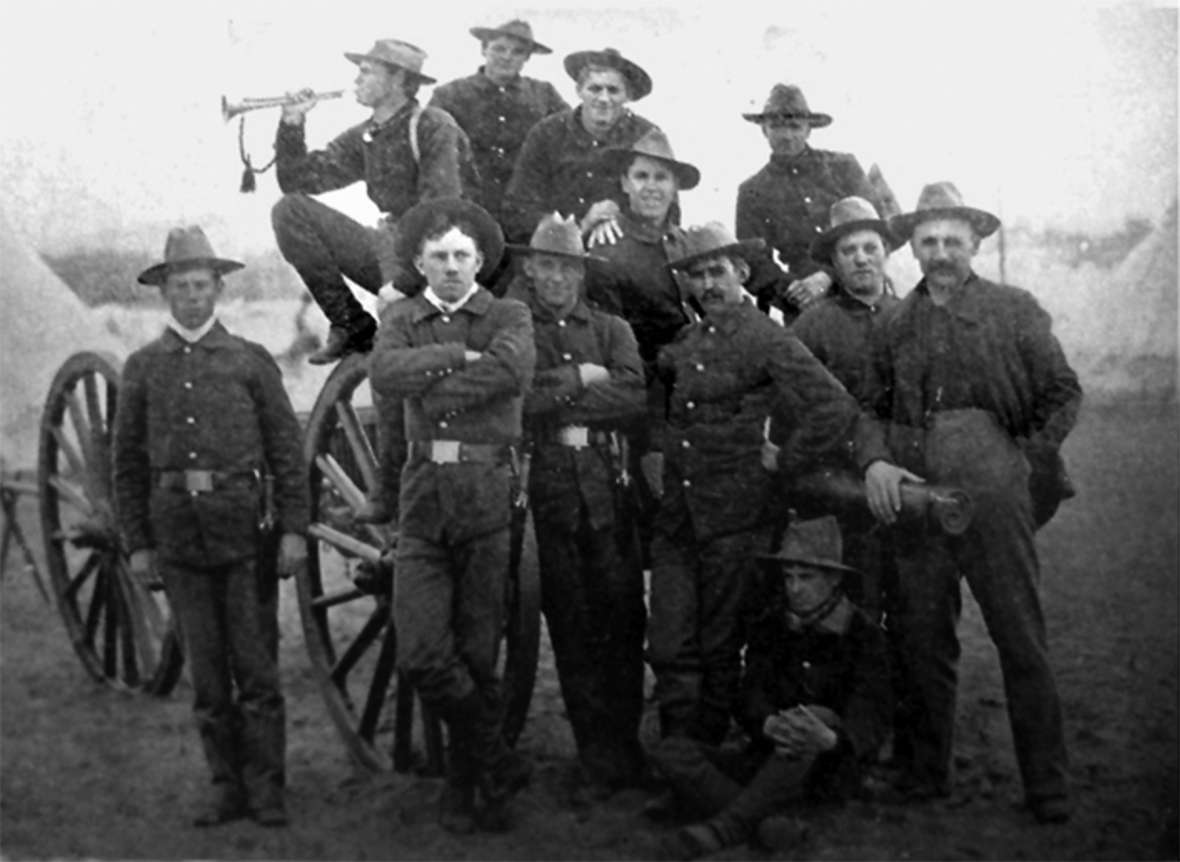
{"points": [[553, 313]]}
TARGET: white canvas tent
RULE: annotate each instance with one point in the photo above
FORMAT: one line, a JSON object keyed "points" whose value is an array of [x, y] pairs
{"points": [[42, 325]]}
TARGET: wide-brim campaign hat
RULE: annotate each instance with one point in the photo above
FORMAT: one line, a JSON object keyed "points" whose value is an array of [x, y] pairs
{"points": [[653, 144], [395, 52], [787, 101], [942, 200], [186, 248], [556, 236], [516, 29], [813, 542], [848, 215], [637, 78], [412, 228], [714, 240]]}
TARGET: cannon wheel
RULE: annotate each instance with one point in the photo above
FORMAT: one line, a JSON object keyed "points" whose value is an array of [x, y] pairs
{"points": [[122, 631], [348, 628]]}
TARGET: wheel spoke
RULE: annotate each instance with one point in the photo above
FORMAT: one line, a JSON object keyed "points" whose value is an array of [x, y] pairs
{"points": [[71, 591], [110, 646], [130, 634], [84, 434], [347, 488], [369, 632], [72, 495], [358, 442], [99, 434], [98, 598], [344, 543], [141, 635], [375, 699], [330, 600], [67, 448]]}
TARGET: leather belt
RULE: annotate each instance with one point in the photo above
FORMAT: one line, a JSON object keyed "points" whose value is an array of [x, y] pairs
{"points": [[457, 452], [580, 437], [201, 481]]}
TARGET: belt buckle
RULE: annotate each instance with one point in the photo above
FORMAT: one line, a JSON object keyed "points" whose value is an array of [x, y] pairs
{"points": [[198, 481], [444, 451], [575, 436]]}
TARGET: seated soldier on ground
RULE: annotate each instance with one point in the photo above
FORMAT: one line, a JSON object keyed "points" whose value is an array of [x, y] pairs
{"points": [[816, 706]]}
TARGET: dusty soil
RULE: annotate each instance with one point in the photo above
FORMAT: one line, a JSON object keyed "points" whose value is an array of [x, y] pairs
{"points": [[88, 772]]}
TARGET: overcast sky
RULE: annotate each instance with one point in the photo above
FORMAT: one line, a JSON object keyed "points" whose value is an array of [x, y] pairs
{"points": [[1047, 112]]}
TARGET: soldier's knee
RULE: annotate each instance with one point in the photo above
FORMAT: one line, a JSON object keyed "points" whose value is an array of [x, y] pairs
{"points": [[288, 209]]}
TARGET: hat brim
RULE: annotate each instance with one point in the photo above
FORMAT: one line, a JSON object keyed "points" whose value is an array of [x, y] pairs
{"points": [[779, 560], [520, 248], [639, 80], [158, 273], [823, 245], [688, 176], [412, 226], [817, 121], [356, 58], [743, 247], [984, 223], [487, 34]]}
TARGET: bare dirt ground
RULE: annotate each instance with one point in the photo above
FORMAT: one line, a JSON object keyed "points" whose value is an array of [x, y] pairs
{"points": [[88, 772]]}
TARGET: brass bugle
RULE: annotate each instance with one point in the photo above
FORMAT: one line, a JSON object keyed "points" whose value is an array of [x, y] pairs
{"points": [[229, 109]]}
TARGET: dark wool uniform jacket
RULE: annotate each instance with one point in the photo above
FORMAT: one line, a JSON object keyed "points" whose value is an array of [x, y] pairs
{"points": [[216, 405], [565, 479], [990, 347], [840, 662], [559, 168], [496, 118], [787, 203], [430, 392], [382, 157], [727, 373], [838, 332]]}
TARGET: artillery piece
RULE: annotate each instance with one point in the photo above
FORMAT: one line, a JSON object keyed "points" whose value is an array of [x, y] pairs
{"points": [[123, 631]]}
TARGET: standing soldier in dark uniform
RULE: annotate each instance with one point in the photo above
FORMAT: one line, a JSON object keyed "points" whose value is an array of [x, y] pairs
{"points": [[202, 418], [786, 203], [838, 331], [588, 385], [451, 367], [498, 105], [558, 169], [971, 388], [726, 374], [404, 153]]}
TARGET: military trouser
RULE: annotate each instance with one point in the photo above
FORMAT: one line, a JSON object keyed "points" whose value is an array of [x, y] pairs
{"points": [[592, 596], [230, 640], [997, 556], [325, 246], [737, 790], [700, 598]]}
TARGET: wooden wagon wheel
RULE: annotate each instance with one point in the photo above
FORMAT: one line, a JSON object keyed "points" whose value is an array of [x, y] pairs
{"points": [[122, 631], [345, 595]]}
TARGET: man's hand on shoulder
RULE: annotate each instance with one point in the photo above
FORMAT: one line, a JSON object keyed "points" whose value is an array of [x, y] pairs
{"points": [[601, 222], [806, 291], [471, 355], [591, 373]]}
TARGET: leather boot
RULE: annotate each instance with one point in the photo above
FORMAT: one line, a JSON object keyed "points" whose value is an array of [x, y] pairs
{"points": [[343, 340], [456, 803], [502, 772]]}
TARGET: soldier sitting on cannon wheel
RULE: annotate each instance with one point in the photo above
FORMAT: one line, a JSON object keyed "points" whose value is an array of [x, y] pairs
{"points": [[449, 371], [202, 416], [404, 153], [588, 385]]}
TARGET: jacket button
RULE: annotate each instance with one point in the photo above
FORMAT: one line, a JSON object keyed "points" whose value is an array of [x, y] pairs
{"points": [[700, 366], [442, 423], [687, 483], [567, 357], [690, 405], [188, 384], [188, 350], [192, 420], [192, 456], [685, 444], [561, 323]]}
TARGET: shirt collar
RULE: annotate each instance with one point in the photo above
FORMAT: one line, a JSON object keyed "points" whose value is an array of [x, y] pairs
{"points": [[579, 312], [783, 162], [192, 336], [514, 84], [963, 303], [449, 307], [476, 304]]}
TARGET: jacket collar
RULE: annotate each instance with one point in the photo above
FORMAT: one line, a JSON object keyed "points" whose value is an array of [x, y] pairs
{"points": [[835, 621], [580, 312], [216, 339], [614, 135], [782, 163], [964, 303], [489, 84], [642, 231], [478, 305], [729, 318]]}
